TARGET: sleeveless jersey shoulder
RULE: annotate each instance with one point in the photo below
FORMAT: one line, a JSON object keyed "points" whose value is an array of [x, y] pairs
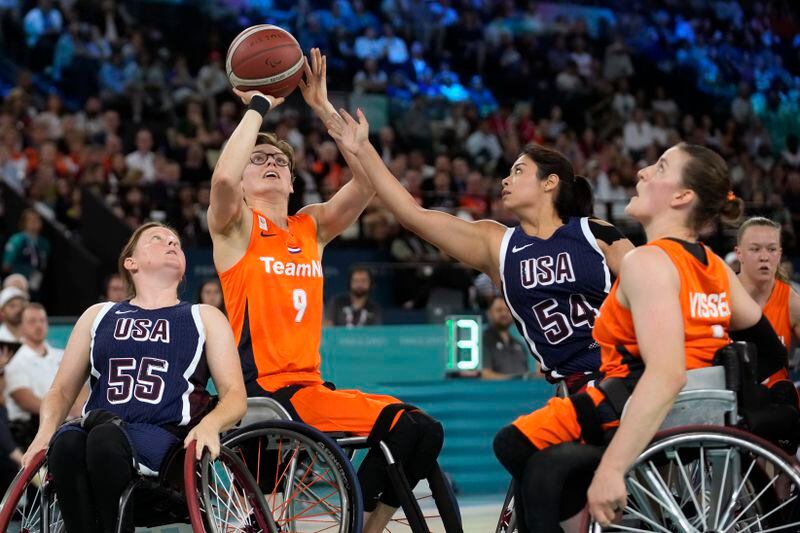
{"points": [[554, 288], [273, 297], [704, 297], [777, 311], [148, 365]]}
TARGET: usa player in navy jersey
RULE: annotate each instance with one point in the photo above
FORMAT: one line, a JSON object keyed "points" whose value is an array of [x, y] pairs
{"points": [[148, 360], [554, 269]]}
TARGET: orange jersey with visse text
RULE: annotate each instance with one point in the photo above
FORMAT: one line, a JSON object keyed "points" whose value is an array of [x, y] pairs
{"points": [[777, 311], [273, 297], [705, 306]]}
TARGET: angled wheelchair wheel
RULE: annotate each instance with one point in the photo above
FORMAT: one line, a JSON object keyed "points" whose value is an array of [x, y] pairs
{"points": [[710, 479], [30, 504], [222, 496], [307, 481], [507, 523]]}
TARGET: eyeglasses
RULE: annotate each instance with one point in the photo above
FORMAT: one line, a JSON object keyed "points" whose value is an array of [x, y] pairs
{"points": [[259, 158]]}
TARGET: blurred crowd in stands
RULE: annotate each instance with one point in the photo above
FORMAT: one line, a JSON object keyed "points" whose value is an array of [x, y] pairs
{"points": [[99, 98]]}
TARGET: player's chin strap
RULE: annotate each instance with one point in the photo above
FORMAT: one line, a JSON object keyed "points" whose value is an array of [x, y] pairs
{"points": [[383, 424]]}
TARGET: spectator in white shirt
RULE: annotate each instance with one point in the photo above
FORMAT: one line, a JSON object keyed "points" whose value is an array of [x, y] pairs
{"points": [[568, 81], [143, 158], [394, 47], [741, 107], [582, 59], [368, 46], [617, 63], [483, 146], [623, 102], [30, 373], [637, 134], [12, 301]]}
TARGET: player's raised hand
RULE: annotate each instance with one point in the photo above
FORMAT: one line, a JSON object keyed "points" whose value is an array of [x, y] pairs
{"points": [[207, 436], [246, 96], [350, 134], [315, 85]]}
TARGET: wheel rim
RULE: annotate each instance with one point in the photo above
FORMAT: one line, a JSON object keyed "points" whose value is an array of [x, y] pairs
{"points": [[22, 504], [228, 500], [710, 482], [302, 482]]}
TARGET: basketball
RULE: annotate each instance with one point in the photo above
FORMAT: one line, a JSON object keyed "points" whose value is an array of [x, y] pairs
{"points": [[265, 58]]}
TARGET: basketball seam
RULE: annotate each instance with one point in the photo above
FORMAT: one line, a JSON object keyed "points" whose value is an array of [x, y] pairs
{"points": [[236, 80]]}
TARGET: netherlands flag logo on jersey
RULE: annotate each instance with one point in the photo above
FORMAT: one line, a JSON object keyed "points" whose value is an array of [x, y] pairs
{"points": [[293, 246]]}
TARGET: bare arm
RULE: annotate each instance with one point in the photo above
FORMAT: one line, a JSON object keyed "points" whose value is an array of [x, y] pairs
{"points": [[745, 312], [71, 376], [344, 208], [226, 371], [476, 244], [227, 201], [651, 285]]}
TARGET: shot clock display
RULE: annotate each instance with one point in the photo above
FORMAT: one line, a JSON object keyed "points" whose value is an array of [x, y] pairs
{"points": [[464, 334]]}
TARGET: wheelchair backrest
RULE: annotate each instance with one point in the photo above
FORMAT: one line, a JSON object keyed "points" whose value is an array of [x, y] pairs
{"points": [[704, 400], [260, 409]]}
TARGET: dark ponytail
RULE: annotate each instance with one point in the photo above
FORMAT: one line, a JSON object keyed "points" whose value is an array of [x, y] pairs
{"points": [[574, 198]]}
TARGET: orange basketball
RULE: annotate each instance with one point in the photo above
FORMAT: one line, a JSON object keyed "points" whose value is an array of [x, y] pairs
{"points": [[265, 58]]}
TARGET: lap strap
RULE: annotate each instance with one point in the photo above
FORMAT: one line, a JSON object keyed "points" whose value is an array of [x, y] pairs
{"points": [[617, 392], [588, 418], [384, 421]]}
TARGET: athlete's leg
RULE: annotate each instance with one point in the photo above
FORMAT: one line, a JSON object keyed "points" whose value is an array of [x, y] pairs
{"points": [[519, 449], [414, 439], [66, 460], [109, 459]]}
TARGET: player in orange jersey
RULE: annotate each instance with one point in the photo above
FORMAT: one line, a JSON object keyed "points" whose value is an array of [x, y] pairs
{"points": [[758, 248], [674, 306], [269, 265]]}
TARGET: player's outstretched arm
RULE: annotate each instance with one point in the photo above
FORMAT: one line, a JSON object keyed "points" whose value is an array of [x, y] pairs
{"points": [[342, 210], [476, 244], [226, 371], [227, 201], [650, 284], [70, 378]]}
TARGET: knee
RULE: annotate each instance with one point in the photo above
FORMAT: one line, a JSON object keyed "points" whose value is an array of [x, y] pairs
{"points": [[430, 438], [66, 446], [430, 430], [107, 444], [513, 449]]}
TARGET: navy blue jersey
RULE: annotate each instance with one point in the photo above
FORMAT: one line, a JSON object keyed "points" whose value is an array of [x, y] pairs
{"points": [[149, 365], [554, 288]]}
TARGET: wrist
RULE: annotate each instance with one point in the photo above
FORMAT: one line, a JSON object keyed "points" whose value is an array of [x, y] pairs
{"points": [[260, 104]]}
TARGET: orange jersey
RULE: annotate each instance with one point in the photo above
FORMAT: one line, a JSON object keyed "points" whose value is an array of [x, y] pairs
{"points": [[273, 296], [777, 312], [705, 306]]}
